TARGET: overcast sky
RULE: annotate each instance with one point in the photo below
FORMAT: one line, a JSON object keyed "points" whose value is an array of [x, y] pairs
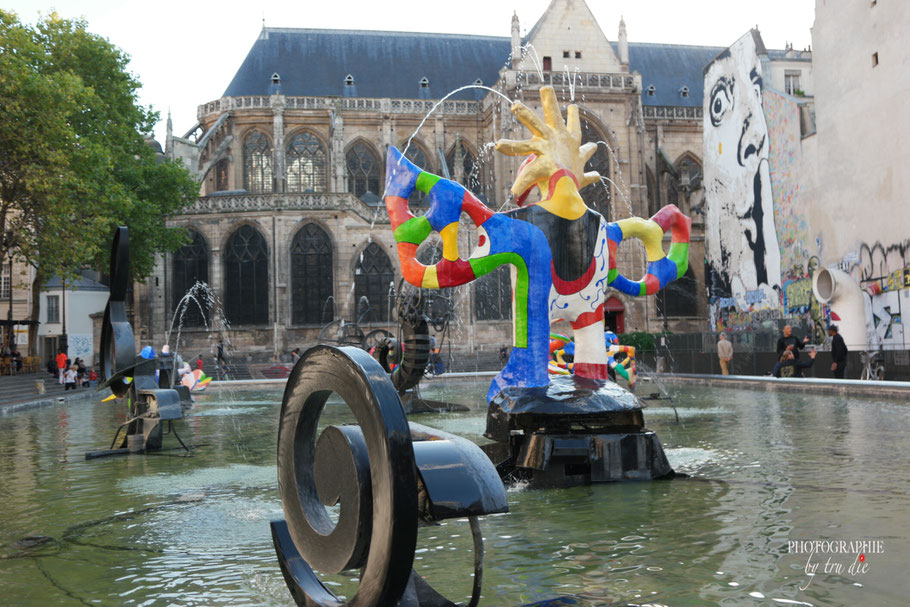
{"points": [[185, 52]]}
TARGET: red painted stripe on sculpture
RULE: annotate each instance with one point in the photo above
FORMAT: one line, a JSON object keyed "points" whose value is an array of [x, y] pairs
{"points": [[454, 273], [665, 217], [591, 370], [570, 287], [652, 284], [588, 318], [612, 245], [398, 210], [476, 210], [411, 269], [555, 177]]}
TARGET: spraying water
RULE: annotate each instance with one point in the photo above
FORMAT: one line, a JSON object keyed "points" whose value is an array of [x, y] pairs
{"points": [[438, 103]]}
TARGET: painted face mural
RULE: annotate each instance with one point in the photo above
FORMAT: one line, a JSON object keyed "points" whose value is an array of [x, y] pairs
{"points": [[742, 246]]}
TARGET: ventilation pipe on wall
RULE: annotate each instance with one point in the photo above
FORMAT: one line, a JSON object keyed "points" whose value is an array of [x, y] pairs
{"points": [[846, 303]]}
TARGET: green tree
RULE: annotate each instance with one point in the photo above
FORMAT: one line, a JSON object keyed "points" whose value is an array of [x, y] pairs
{"points": [[74, 162]]}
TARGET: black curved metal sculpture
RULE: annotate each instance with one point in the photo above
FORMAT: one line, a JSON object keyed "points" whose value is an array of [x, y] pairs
{"points": [[411, 353], [385, 473], [151, 399]]}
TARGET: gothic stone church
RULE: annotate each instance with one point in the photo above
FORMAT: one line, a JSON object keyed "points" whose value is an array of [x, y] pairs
{"points": [[290, 230]]}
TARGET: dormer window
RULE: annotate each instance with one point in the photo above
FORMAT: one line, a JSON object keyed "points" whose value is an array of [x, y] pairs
{"points": [[424, 83], [478, 81], [651, 91], [276, 79], [349, 80], [684, 91]]}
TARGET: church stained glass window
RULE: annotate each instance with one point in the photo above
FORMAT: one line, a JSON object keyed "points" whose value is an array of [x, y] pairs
{"points": [[306, 159], [191, 265], [373, 280], [246, 283], [363, 168], [257, 163], [312, 280]]}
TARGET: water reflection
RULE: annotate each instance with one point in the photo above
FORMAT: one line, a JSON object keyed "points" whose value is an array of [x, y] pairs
{"points": [[766, 468]]}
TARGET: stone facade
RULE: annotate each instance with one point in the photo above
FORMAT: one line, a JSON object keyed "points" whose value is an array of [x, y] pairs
{"points": [[650, 156]]}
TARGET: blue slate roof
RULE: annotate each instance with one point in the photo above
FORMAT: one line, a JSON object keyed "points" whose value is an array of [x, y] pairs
{"points": [[83, 283], [314, 62], [669, 68]]}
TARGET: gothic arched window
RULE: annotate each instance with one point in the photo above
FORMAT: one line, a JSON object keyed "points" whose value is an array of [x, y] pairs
{"points": [[597, 195], [191, 265], [257, 163], [493, 295], [306, 164], [312, 278], [221, 175], [470, 177], [373, 279], [246, 282], [416, 155], [363, 172], [680, 297]]}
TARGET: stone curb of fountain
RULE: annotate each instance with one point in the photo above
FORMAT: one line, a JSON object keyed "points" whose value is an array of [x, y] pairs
{"points": [[838, 387], [253, 383], [79, 395]]}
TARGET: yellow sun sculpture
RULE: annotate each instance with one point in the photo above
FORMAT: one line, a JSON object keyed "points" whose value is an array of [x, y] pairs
{"points": [[555, 150]]}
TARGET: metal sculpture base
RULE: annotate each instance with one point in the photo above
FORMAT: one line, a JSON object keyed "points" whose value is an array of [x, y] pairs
{"points": [[386, 476], [418, 593], [573, 431], [145, 382], [415, 404]]}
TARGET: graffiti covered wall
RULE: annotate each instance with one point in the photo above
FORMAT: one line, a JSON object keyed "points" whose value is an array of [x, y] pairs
{"points": [[772, 224], [782, 119], [743, 254], [883, 272]]}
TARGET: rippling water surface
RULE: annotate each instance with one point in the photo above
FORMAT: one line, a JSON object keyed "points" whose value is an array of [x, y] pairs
{"points": [[765, 468]]}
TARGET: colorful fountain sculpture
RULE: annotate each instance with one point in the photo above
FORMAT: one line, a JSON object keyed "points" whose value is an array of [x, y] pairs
{"points": [[144, 381], [573, 428]]}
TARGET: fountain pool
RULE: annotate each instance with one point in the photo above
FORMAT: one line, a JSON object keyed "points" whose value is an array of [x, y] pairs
{"points": [[766, 469]]}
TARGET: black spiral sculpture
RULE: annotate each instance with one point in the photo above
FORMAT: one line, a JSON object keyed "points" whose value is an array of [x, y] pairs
{"points": [[406, 360], [126, 374], [386, 474]]}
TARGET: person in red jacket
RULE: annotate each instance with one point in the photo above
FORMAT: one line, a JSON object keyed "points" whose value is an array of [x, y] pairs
{"points": [[61, 364]]}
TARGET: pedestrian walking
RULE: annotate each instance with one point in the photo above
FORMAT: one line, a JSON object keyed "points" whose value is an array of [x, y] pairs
{"points": [[725, 354], [61, 365], [838, 352]]}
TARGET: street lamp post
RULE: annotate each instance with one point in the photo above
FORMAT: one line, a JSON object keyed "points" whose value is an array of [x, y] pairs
{"points": [[9, 313], [63, 340]]}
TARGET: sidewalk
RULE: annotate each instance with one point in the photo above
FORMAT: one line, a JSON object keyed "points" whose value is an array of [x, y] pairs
{"points": [[18, 392], [898, 390]]}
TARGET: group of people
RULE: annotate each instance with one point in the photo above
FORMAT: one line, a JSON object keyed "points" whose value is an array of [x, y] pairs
{"points": [[71, 373], [15, 358], [788, 347]]}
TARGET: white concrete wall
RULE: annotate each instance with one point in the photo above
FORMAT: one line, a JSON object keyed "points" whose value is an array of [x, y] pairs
{"points": [[79, 306], [860, 212], [863, 125]]}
